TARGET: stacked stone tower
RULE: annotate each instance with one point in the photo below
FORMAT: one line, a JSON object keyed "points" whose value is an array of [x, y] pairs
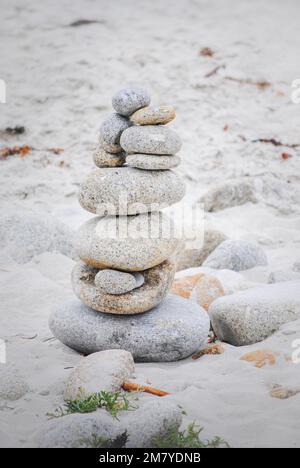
{"points": [[126, 250]]}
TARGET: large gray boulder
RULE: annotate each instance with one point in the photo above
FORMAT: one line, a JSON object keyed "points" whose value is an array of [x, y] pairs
{"points": [[237, 255], [171, 331], [137, 428], [250, 316]]}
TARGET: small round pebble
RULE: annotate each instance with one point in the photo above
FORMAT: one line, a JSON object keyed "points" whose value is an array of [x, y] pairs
{"points": [[152, 162], [153, 115], [129, 100], [150, 139], [114, 281], [104, 159], [111, 130], [12, 386]]}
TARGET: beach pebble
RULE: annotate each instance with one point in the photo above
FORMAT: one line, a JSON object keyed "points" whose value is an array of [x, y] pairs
{"points": [[127, 190], [100, 430], [150, 139], [111, 130], [202, 288], [132, 243], [105, 370], [194, 257], [116, 282], [173, 330], [12, 386], [157, 281], [237, 255], [129, 100], [250, 316], [153, 115], [231, 193], [26, 235], [152, 162], [280, 275], [104, 159]]}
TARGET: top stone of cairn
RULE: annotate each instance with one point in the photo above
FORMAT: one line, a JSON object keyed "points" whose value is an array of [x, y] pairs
{"points": [[129, 100]]}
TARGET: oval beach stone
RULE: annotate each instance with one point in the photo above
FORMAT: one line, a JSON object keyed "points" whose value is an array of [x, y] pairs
{"points": [[104, 159], [153, 115], [128, 190], [115, 281], [173, 330], [129, 100], [152, 162], [150, 139], [111, 130]]}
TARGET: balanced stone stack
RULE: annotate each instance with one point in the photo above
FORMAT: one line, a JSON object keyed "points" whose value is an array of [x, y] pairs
{"points": [[126, 268]]}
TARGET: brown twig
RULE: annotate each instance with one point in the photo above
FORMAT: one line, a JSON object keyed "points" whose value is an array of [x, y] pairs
{"points": [[133, 387], [260, 84], [274, 142], [214, 71]]}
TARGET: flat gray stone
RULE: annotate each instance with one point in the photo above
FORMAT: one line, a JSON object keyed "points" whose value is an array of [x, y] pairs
{"points": [[131, 243], [250, 316], [102, 371], [150, 139], [231, 193], [158, 115], [128, 100], [189, 257], [25, 235], [127, 190], [104, 159], [138, 428], [12, 385], [237, 255], [115, 281], [152, 161], [173, 330], [111, 130], [157, 282]]}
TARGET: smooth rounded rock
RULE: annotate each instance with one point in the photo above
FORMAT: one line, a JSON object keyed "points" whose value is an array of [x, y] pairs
{"points": [[152, 162], [127, 190], [157, 282], [132, 243], [114, 281], [150, 139], [153, 115], [104, 159], [128, 100], [111, 130], [12, 385], [237, 255], [102, 371], [173, 330]]}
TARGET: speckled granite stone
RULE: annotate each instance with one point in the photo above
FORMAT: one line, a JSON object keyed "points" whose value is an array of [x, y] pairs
{"points": [[153, 115], [150, 139], [111, 130], [152, 161], [104, 159], [129, 100], [117, 282]]}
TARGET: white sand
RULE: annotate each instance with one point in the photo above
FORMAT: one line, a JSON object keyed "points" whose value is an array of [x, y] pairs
{"points": [[59, 83]]}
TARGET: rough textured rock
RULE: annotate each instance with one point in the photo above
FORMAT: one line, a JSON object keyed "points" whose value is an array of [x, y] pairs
{"points": [[99, 429], [150, 139], [154, 115], [111, 130], [157, 282], [139, 243], [202, 288], [152, 162], [231, 193], [128, 190], [237, 255], [117, 282], [250, 316], [189, 258], [173, 330], [279, 276], [129, 100], [104, 159], [105, 370], [25, 235], [12, 385]]}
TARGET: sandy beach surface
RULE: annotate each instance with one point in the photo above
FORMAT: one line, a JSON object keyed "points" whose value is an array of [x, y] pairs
{"points": [[60, 76]]}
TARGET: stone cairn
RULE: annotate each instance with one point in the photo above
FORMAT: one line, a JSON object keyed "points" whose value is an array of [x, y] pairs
{"points": [[126, 251]]}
